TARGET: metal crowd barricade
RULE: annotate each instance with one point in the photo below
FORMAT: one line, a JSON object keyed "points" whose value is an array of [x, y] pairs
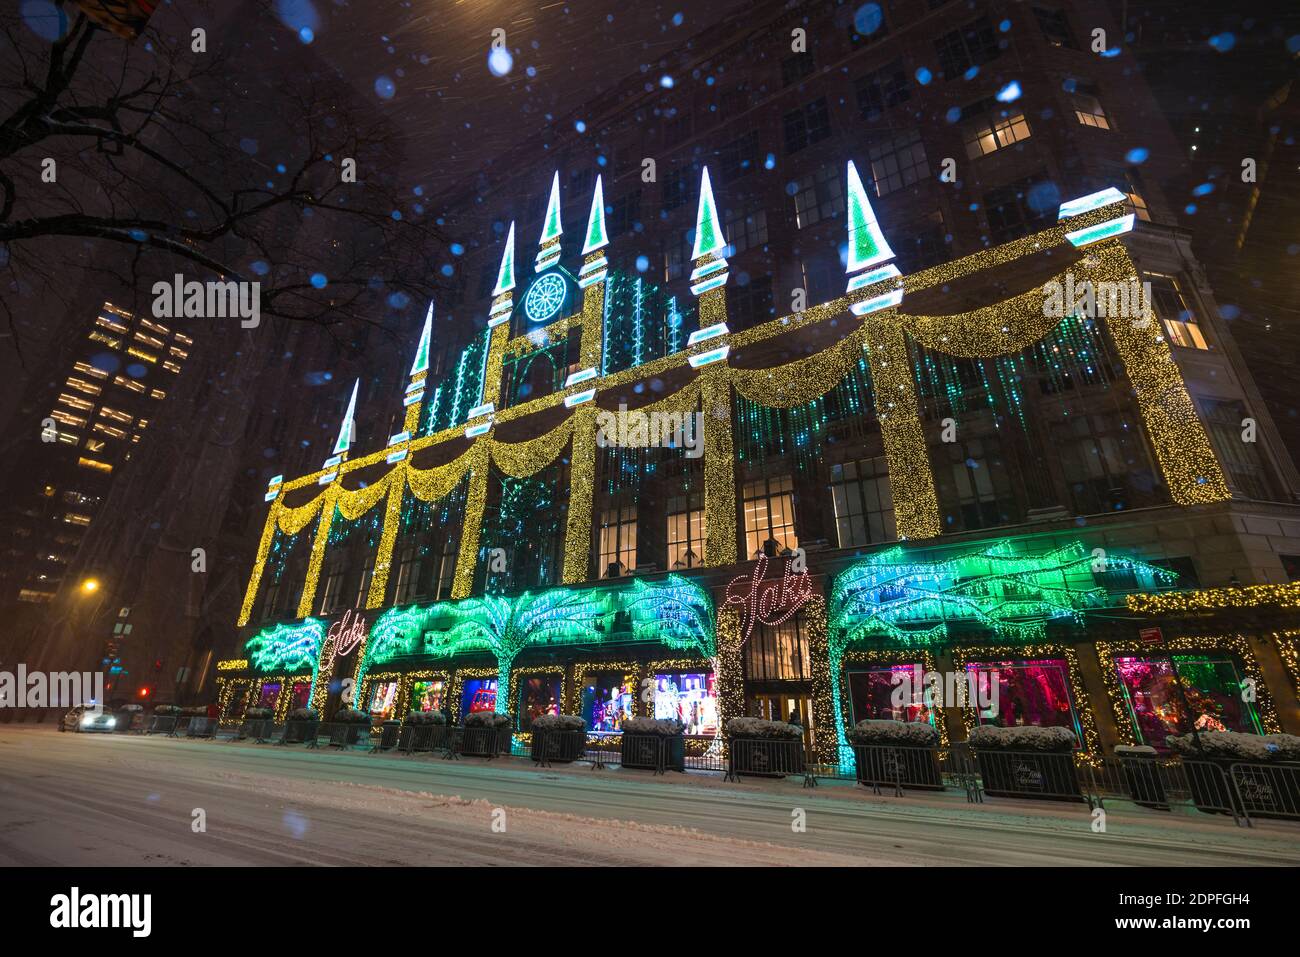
{"points": [[299, 732], [1267, 790], [162, 724], [1050, 775], [259, 729], [764, 757], [199, 727]]}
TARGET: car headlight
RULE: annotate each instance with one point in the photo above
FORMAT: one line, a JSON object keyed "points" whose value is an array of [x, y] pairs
{"points": [[87, 720], [112, 722]]}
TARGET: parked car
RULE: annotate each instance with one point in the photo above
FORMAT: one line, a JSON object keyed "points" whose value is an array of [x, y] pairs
{"points": [[86, 717]]}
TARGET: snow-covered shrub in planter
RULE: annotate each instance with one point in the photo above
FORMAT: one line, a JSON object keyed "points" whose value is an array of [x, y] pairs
{"points": [[258, 714], [166, 709], [486, 734], [761, 728], [351, 716], [1027, 762], [304, 714], [1028, 738], [1248, 773], [558, 737], [764, 748], [195, 711], [653, 744], [426, 717], [896, 752]]}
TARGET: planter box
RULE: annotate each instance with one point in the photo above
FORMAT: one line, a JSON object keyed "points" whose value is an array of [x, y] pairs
{"points": [[894, 764], [653, 752], [201, 728], [1047, 775], [299, 731], [766, 757], [483, 742], [563, 746], [128, 721], [344, 735]]}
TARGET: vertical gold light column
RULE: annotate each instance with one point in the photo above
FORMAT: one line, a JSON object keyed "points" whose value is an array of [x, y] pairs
{"points": [[328, 503], [475, 504], [916, 507], [719, 466], [259, 564], [582, 488], [388, 538]]}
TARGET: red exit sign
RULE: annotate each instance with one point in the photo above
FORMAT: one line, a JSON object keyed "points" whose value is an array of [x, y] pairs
{"points": [[1150, 636]]}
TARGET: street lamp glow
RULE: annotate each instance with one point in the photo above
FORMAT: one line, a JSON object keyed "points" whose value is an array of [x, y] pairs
{"points": [[90, 585]]}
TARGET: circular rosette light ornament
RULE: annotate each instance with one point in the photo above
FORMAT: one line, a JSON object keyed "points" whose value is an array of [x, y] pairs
{"points": [[545, 298]]}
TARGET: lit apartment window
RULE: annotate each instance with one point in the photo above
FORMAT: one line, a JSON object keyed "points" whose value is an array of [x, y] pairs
{"points": [[818, 196], [34, 596], [686, 531], [618, 539], [157, 394], [76, 518], [106, 340], [769, 514], [988, 126], [109, 307], [109, 430], [129, 384], [179, 353], [863, 502], [154, 327], [1139, 205], [1173, 312], [148, 339], [67, 418], [973, 45], [171, 366], [95, 464], [1241, 460], [1087, 107], [81, 385], [142, 424], [141, 354], [184, 339], [117, 415], [95, 445], [897, 161], [75, 402], [108, 323], [69, 438], [87, 369]]}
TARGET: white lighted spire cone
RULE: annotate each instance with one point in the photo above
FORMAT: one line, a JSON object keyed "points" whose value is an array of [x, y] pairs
{"points": [[548, 247], [596, 237], [867, 243], [421, 363], [506, 272], [347, 427], [708, 230]]}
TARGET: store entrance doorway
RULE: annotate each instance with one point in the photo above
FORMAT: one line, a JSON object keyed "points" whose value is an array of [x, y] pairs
{"points": [[778, 707]]}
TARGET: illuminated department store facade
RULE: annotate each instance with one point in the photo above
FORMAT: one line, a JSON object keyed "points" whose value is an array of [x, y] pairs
{"points": [[888, 480]]}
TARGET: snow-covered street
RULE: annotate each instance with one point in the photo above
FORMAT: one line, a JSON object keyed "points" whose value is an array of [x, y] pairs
{"points": [[68, 799]]}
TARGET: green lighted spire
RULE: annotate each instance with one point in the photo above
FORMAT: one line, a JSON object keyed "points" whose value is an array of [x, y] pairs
{"points": [[596, 235], [421, 363], [346, 428], [506, 275], [552, 227], [867, 244], [708, 231]]}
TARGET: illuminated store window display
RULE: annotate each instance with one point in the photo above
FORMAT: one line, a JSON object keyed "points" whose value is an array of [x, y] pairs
{"points": [[872, 694], [1028, 694], [479, 694], [1211, 698], [607, 701], [690, 698], [300, 695], [538, 695], [427, 695], [266, 698], [383, 700]]}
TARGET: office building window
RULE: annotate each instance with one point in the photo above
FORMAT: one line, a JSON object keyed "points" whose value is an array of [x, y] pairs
{"points": [[769, 515], [863, 502], [330, 588], [988, 126], [679, 188], [617, 540], [1056, 27], [1241, 460], [1171, 308], [818, 196], [797, 67], [879, 90], [738, 157], [923, 244], [687, 529], [897, 161], [1087, 107], [779, 652], [809, 124], [623, 213], [1019, 208], [973, 45], [751, 303], [746, 227], [677, 130]]}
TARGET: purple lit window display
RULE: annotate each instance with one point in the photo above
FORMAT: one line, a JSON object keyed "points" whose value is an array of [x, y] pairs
{"points": [[300, 695], [608, 700], [270, 692], [383, 700], [1212, 687], [1029, 694], [690, 698], [427, 695], [480, 694], [871, 694], [538, 695]]}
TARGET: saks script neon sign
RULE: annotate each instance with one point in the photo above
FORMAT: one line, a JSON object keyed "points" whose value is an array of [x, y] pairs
{"points": [[347, 637], [768, 602]]}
